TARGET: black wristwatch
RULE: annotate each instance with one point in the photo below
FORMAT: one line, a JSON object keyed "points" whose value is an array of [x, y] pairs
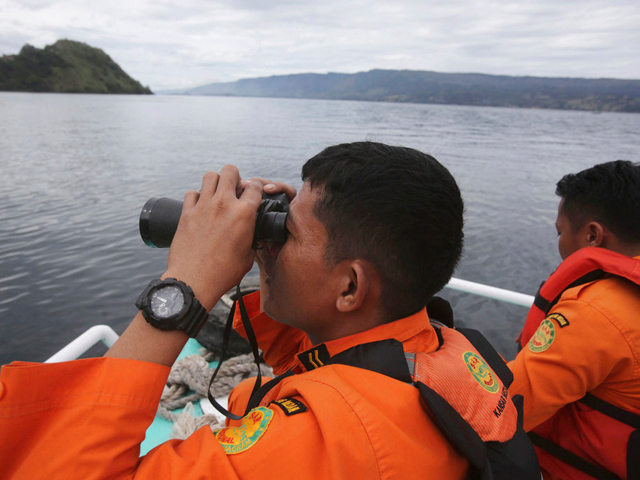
{"points": [[171, 305]]}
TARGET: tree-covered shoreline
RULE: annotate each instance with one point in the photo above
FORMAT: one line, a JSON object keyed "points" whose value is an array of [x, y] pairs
{"points": [[65, 67], [412, 86]]}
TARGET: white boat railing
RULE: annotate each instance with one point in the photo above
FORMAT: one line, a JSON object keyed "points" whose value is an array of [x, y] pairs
{"points": [[106, 335], [97, 333], [495, 293]]}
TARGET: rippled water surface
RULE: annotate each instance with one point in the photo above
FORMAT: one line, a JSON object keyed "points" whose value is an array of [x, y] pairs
{"points": [[76, 170]]}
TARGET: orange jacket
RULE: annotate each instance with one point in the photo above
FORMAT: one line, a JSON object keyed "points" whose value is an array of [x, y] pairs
{"points": [[588, 343], [85, 419]]}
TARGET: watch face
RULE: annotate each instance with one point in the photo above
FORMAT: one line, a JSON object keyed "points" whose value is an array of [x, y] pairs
{"points": [[167, 301]]}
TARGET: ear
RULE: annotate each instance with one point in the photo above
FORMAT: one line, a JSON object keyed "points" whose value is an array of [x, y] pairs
{"points": [[356, 283], [595, 233]]}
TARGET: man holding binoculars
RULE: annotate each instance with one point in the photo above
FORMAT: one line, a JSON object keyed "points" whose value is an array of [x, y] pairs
{"points": [[366, 384]]}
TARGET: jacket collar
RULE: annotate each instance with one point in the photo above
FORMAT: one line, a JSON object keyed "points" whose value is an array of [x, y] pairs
{"points": [[414, 332]]}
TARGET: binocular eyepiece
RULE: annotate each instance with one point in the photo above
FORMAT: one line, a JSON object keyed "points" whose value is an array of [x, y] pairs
{"points": [[160, 216]]}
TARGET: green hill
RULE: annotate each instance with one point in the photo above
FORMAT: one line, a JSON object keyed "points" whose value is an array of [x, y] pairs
{"points": [[413, 86], [65, 67]]}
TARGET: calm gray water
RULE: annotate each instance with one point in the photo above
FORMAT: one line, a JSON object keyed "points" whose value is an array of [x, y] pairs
{"points": [[76, 170]]}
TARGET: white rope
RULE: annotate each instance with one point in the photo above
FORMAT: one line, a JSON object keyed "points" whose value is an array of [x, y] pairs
{"points": [[188, 383], [187, 422]]}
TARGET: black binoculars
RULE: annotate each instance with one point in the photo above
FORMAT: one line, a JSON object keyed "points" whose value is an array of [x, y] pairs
{"points": [[160, 216]]}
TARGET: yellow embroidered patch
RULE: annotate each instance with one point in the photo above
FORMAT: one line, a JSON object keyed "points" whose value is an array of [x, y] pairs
{"points": [[238, 439], [561, 319], [290, 406], [543, 338], [481, 372]]}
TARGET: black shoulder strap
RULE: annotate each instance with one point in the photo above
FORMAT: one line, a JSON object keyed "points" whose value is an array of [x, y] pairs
{"points": [[571, 458], [384, 356], [440, 310], [547, 304], [617, 413], [454, 427]]}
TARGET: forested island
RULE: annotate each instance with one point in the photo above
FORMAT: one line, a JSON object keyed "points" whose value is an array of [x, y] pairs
{"points": [[65, 67], [440, 88]]}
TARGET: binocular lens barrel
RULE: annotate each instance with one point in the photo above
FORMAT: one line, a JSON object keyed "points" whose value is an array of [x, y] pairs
{"points": [[159, 220], [271, 226], [160, 216]]}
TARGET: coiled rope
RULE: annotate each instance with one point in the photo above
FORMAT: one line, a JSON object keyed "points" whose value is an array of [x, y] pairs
{"points": [[188, 383]]}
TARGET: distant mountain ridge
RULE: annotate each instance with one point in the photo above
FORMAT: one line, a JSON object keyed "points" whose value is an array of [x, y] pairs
{"points": [[413, 86], [65, 67]]}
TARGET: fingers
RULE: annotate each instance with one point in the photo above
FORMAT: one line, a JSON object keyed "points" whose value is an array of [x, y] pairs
{"points": [[190, 199], [252, 194], [209, 184], [227, 183], [230, 181], [277, 187], [271, 187], [263, 181]]}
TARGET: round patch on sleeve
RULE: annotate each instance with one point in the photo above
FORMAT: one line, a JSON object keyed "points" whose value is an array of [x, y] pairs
{"points": [[543, 338], [481, 372], [238, 439]]}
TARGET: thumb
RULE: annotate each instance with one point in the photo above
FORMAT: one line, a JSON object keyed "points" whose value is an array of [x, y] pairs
{"points": [[252, 194]]}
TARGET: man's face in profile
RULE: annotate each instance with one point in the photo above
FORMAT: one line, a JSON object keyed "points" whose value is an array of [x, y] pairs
{"points": [[300, 281]]}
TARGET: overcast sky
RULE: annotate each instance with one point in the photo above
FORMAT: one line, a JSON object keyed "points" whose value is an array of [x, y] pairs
{"points": [[174, 44]]}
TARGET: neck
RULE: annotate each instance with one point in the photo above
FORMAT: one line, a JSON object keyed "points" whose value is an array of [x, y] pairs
{"points": [[344, 325], [630, 250]]}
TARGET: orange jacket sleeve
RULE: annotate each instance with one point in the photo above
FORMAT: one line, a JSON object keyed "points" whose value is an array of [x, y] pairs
{"points": [[577, 349], [57, 420]]}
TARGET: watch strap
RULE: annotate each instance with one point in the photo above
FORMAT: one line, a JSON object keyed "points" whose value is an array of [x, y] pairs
{"points": [[194, 319]]}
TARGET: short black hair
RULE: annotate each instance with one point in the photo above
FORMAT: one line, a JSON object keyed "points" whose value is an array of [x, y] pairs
{"points": [[396, 207], [608, 193]]}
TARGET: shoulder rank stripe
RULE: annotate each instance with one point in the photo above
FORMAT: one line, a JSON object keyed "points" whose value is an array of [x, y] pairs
{"points": [[315, 357]]}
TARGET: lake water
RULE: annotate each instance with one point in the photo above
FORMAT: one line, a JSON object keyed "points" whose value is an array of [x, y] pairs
{"points": [[76, 170]]}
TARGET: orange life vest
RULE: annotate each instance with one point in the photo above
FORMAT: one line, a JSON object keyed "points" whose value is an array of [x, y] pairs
{"points": [[463, 394], [612, 426], [585, 265]]}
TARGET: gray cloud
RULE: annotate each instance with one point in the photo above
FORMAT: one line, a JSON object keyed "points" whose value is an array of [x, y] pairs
{"points": [[167, 44]]}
